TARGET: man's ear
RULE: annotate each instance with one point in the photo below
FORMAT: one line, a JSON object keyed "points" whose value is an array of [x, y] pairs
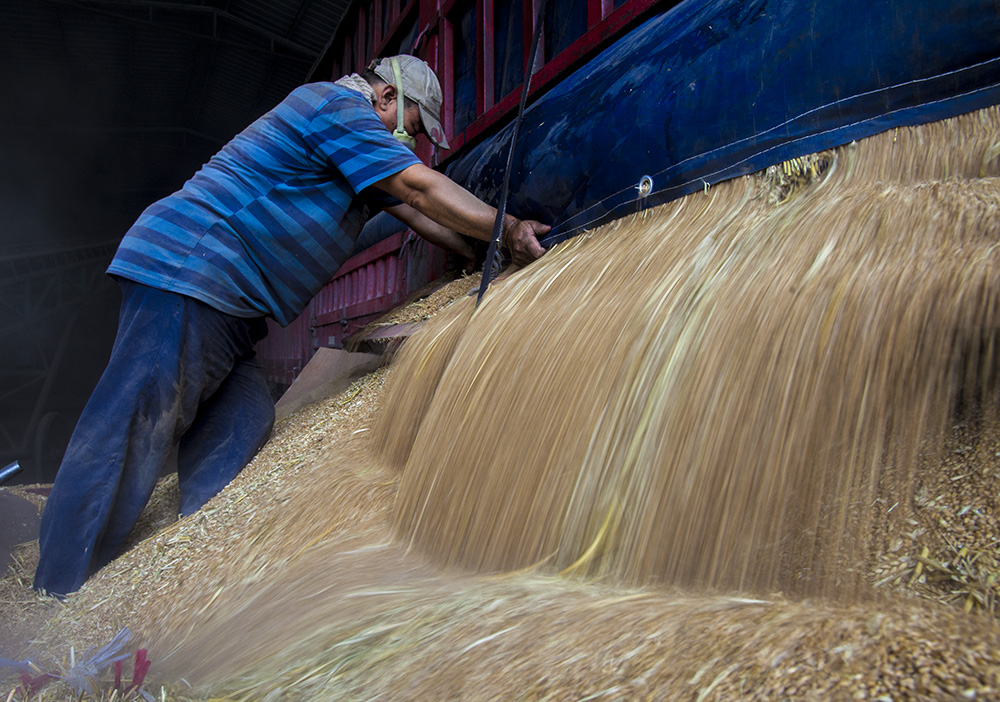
{"points": [[387, 95]]}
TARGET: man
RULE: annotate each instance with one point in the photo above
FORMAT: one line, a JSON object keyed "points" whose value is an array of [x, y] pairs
{"points": [[255, 233]]}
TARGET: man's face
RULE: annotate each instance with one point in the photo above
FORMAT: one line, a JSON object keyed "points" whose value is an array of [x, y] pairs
{"points": [[385, 106], [412, 122]]}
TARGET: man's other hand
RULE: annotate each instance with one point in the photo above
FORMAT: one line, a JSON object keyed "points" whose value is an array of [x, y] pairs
{"points": [[440, 199], [520, 237]]}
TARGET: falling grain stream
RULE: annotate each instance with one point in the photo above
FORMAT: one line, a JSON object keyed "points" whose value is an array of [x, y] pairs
{"points": [[650, 464]]}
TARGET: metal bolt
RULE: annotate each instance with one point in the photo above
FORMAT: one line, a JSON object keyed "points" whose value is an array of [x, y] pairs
{"points": [[645, 186]]}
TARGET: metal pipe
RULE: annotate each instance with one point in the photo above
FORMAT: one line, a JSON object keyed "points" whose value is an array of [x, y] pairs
{"points": [[9, 471]]}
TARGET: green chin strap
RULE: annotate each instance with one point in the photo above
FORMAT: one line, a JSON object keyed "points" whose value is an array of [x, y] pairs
{"points": [[399, 132]]}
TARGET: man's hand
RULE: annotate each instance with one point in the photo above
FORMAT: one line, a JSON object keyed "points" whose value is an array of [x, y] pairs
{"points": [[433, 232], [520, 237], [440, 199]]}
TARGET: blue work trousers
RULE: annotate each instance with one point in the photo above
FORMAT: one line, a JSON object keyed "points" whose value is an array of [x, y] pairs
{"points": [[182, 388]]}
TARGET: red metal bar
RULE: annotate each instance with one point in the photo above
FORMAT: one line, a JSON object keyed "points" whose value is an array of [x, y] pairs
{"points": [[480, 55], [487, 55], [540, 55], [431, 53], [349, 61], [375, 13], [529, 10], [606, 23], [359, 44], [597, 10], [585, 47], [401, 18], [447, 6], [448, 78]]}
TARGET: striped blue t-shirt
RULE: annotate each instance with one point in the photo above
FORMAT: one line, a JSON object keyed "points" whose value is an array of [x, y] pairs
{"points": [[271, 217]]}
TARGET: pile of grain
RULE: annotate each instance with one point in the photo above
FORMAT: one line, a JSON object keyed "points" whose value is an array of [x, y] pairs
{"points": [[713, 395], [294, 583]]}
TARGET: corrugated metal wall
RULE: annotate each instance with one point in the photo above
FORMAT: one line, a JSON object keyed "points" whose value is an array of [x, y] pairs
{"points": [[365, 287]]}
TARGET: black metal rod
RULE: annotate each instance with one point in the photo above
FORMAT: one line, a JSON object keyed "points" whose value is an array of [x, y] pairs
{"points": [[9, 471], [492, 255]]}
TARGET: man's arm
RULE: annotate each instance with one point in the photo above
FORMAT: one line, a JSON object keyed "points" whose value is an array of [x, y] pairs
{"points": [[449, 204], [433, 232]]}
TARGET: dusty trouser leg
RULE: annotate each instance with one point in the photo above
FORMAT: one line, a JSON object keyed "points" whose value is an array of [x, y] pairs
{"points": [[171, 352], [231, 426]]}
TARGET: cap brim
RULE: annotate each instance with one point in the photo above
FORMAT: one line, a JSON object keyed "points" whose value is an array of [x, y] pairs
{"points": [[433, 127]]}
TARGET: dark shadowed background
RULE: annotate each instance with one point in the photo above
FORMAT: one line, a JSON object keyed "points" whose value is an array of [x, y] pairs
{"points": [[108, 105]]}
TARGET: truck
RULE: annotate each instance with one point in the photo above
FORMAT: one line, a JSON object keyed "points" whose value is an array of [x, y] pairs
{"points": [[633, 103]]}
